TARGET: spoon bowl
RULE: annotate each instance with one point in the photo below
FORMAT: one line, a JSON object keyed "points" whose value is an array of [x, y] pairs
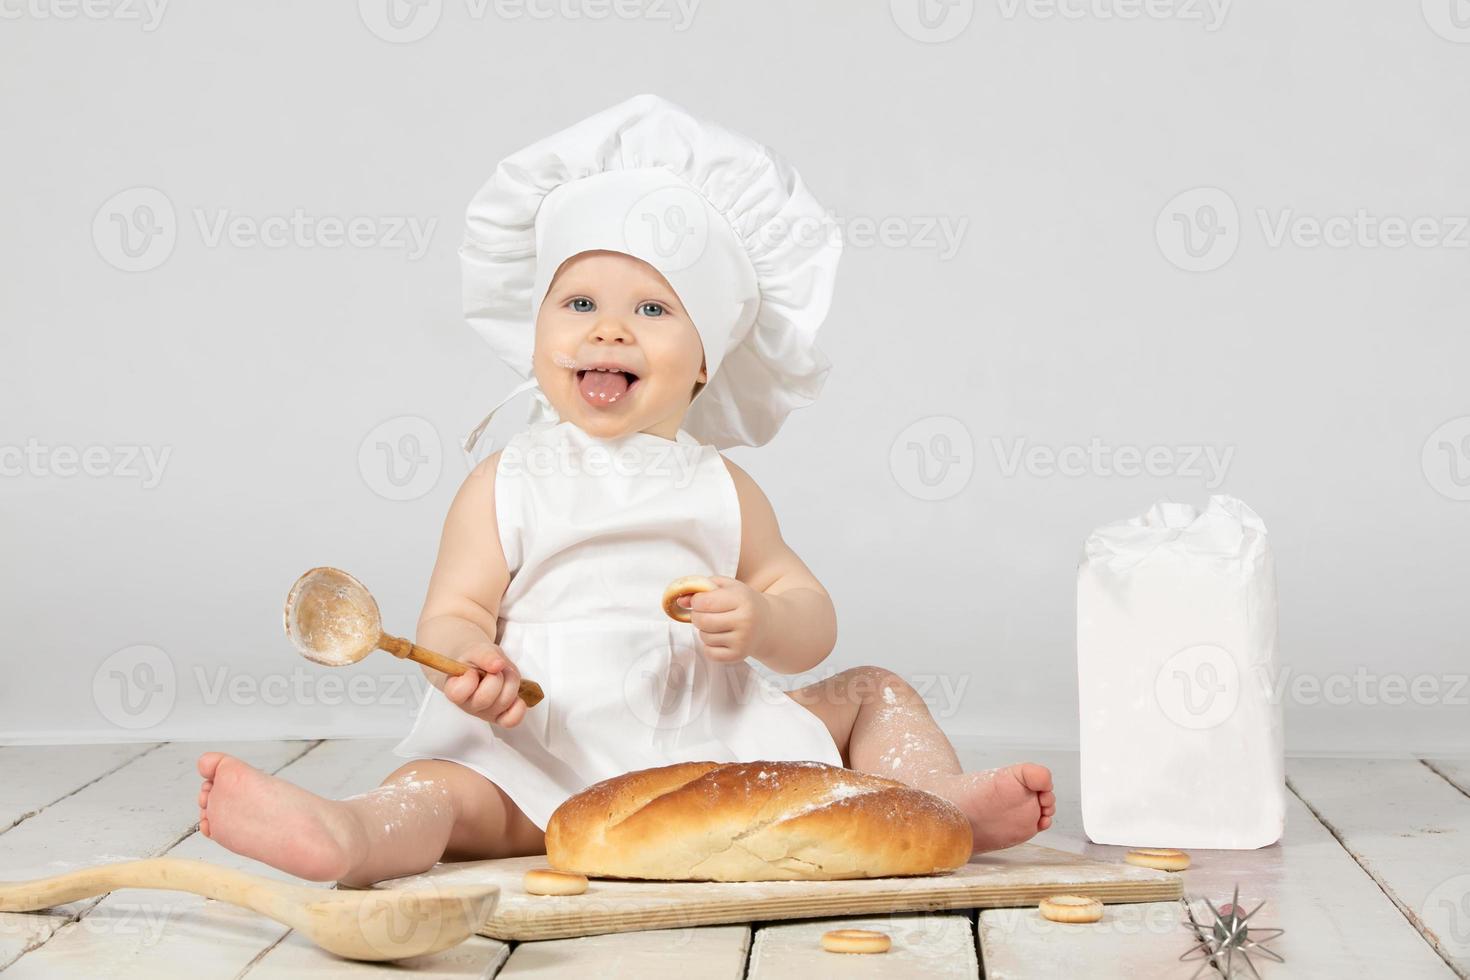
{"points": [[331, 618]]}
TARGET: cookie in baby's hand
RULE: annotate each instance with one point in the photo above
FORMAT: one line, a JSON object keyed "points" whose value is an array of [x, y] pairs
{"points": [[688, 585]]}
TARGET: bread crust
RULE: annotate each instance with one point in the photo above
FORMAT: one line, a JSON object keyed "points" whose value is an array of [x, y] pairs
{"points": [[755, 821]]}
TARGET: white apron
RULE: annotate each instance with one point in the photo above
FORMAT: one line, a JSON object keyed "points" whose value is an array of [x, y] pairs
{"points": [[593, 530]]}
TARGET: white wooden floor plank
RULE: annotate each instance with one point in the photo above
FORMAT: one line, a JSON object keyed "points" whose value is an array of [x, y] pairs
{"points": [[1410, 829], [478, 957], [1131, 942], [19, 933], [145, 933], [1456, 771], [713, 952], [939, 945], [35, 776], [1338, 921]]}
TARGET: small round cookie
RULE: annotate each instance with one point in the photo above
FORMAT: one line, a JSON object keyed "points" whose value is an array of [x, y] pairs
{"points": [[1070, 908], [546, 881], [1158, 858], [855, 941], [688, 585]]}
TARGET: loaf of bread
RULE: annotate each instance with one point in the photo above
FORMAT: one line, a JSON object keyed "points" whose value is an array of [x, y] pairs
{"points": [[755, 821]]}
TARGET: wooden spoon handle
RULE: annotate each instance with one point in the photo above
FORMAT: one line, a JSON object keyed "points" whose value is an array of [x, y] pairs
{"points": [[530, 691], [176, 874], [361, 925]]}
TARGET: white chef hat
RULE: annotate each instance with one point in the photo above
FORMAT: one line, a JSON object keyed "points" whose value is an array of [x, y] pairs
{"points": [[732, 227]]}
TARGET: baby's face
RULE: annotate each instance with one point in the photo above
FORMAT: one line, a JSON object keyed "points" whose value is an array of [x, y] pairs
{"points": [[610, 310]]}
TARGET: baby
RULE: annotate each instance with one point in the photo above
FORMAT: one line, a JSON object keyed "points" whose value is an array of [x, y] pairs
{"points": [[652, 318]]}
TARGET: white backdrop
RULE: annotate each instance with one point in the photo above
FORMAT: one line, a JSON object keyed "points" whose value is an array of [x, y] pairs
{"points": [[1077, 231]]}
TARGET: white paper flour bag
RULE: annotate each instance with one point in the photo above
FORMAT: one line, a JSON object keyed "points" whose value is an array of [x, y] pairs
{"points": [[1182, 741]]}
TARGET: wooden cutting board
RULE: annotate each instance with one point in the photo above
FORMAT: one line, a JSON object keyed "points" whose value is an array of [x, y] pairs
{"points": [[1015, 877]]}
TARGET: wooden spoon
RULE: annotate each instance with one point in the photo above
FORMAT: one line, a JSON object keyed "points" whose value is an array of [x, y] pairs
{"points": [[389, 924], [333, 620]]}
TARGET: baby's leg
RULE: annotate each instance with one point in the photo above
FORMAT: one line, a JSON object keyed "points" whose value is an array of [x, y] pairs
{"points": [[423, 812], [882, 726]]}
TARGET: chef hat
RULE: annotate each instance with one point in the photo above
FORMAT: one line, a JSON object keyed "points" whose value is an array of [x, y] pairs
{"points": [[731, 226]]}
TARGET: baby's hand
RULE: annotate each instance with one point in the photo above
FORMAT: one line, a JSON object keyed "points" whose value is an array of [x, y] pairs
{"points": [[732, 620], [490, 689]]}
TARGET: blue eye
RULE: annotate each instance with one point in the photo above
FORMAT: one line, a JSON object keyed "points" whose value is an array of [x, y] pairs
{"points": [[581, 304], [651, 309]]}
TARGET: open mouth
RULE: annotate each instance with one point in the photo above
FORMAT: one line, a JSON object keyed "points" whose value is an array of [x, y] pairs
{"points": [[602, 386]]}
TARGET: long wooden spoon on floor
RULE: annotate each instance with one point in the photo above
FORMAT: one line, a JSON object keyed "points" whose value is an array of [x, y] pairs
{"points": [[334, 621], [388, 924]]}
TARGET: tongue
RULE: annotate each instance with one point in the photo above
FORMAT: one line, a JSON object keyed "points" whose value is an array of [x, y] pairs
{"points": [[603, 386]]}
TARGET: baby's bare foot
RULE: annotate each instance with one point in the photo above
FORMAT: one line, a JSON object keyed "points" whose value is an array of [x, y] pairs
{"points": [[270, 820], [1005, 806]]}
